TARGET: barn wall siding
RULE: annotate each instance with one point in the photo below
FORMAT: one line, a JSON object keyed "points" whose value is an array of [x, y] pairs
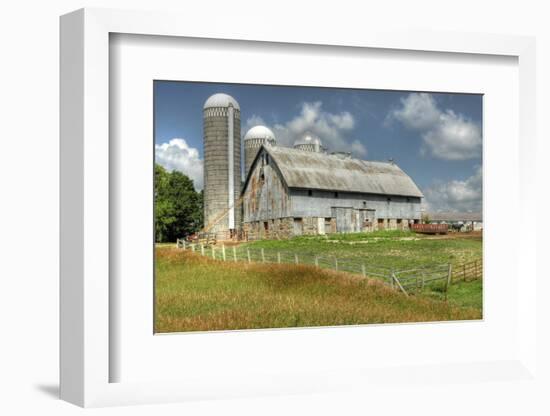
{"points": [[320, 204], [266, 196]]}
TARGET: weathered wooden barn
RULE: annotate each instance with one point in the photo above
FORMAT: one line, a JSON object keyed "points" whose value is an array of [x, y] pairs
{"points": [[292, 192]]}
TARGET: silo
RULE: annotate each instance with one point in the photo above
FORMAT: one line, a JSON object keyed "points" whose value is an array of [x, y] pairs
{"points": [[309, 143], [253, 140], [222, 165]]}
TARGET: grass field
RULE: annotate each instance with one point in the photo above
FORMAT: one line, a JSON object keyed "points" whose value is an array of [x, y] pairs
{"points": [[195, 293], [396, 249]]}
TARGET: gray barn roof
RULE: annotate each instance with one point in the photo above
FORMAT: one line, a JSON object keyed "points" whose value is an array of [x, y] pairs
{"points": [[311, 170]]}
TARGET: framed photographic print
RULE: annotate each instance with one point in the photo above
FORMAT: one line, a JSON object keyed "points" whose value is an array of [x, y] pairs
{"points": [[252, 216], [348, 206]]}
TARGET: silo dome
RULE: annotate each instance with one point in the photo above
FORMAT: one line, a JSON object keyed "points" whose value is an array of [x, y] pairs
{"points": [[259, 132], [309, 142], [254, 139], [220, 100]]}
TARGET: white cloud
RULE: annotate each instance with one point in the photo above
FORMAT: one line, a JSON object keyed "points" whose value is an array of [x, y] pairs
{"points": [[178, 155], [455, 195], [453, 138], [445, 134], [251, 122], [417, 111], [332, 128], [358, 148]]}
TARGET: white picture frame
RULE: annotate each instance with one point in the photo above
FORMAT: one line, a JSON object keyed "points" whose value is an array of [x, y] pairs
{"points": [[86, 356]]}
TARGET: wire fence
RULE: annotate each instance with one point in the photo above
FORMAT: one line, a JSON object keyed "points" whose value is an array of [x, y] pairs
{"points": [[408, 281]]}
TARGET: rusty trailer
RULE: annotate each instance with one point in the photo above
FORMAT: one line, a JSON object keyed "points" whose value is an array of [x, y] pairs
{"points": [[430, 228]]}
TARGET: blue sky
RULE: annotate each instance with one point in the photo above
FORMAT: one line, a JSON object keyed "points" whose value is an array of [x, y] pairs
{"points": [[434, 137]]}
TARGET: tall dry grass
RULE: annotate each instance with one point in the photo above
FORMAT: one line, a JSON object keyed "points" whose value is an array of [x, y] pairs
{"points": [[195, 293]]}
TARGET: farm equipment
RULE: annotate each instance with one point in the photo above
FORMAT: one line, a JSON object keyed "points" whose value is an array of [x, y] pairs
{"points": [[430, 228]]}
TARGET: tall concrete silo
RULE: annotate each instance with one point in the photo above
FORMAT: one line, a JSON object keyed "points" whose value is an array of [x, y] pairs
{"points": [[309, 143], [253, 140], [222, 164]]}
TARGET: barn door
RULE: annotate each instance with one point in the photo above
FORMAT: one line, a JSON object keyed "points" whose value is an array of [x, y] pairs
{"points": [[344, 221], [298, 226]]}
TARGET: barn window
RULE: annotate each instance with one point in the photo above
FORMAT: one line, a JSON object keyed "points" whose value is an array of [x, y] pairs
{"points": [[335, 194], [309, 193]]}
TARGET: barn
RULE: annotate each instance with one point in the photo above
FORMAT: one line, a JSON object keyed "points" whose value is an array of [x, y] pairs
{"points": [[292, 191]]}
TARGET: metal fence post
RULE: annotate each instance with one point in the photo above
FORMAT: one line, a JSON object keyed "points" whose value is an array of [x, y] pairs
{"points": [[396, 280]]}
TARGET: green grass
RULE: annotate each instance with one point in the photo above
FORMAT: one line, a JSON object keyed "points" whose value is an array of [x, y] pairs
{"points": [[195, 293], [467, 294], [393, 249]]}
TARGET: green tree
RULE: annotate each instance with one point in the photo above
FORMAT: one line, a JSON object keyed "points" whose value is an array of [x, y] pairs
{"points": [[178, 207]]}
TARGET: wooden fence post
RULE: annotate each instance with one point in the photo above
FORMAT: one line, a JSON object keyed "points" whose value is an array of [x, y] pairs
{"points": [[316, 261], [214, 252], [278, 257], [193, 247], [177, 243], [448, 281], [263, 256], [223, 251], [423, 279], [464, 272], [363, 270], [183, 241], [202, 249], [296, 258], [336, 263], [234, 254], [248, 254]]}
